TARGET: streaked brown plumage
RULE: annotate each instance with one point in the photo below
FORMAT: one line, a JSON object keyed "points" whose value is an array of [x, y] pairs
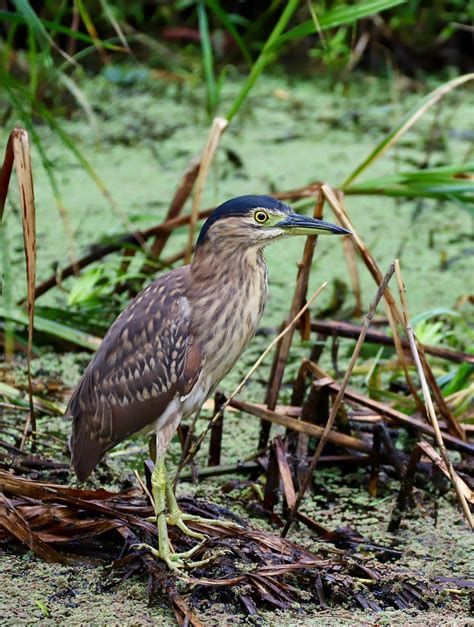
{"points": [[181, 335]]}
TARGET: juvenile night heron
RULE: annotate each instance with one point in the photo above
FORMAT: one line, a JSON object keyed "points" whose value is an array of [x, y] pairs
{"points": [[168, 350]]}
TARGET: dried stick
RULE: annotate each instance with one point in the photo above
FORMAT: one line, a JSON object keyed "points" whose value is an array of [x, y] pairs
{"points": [[393, 414], [284, 345], [436, 458], [180, 197], [218, 127], [193, 450], [341, 213], [452, 424], [401, 359], [18, 152], [131, 239], [427, 396], [363, 250], [300, 426], [406, 487], [338, 400], [347, 329], [350, 254]]}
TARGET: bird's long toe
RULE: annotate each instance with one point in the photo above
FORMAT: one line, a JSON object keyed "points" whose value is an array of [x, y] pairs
{"points": [[176, 562], [211, 522]]}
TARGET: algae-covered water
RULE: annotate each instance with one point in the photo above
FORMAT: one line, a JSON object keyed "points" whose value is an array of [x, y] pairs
{"points": [[289, 133]]}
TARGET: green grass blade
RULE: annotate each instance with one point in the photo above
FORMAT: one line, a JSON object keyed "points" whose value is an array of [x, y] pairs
{"points": [[31, 18], [223, 17], [108, 12], [52, 328], [18, 398], [80, 98], [207, 57], [406, 123], [264, 57], [343, 14], [89, 24], [55, 27], [453, 183]]}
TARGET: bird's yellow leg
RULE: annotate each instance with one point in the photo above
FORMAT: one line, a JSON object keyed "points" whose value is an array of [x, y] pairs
{"points": [[175, 561]]}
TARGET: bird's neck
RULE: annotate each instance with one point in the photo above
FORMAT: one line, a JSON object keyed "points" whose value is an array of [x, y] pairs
{"points": [[218, 264], [228, 294]]}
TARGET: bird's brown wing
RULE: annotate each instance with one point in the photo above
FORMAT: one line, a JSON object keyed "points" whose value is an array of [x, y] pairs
{"points": [[146, 359]]}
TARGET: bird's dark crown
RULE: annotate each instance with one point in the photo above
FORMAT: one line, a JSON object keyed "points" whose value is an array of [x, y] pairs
{"points": [[241, 206]]}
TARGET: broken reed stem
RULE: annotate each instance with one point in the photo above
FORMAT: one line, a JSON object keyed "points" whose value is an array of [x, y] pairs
{"points": [[218, 127], [401, 358], [194, 449], [283, 348], [339, 398], [427, 396], [180, 197], [24, 174], [364, 252], [350, 253], [347, 329]]}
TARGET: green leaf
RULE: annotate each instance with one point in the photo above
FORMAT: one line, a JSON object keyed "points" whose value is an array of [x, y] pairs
{"points": [[265, 56], [451, 183], [434, 313], [406, 123], [223, 17], [55, 329], [18, 397], [343, 14], [207, 57], [55, 27], [25, 10], [456, 380]]}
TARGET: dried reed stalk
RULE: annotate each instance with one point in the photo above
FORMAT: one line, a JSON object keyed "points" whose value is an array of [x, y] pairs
{"points": [[389, 412], [364, 252], [436, 458], [349, 252], [347, 329], [18, 153], [402, 361], [341, 212], [179, 199], [218, 127], [338, 400], [427, 396], [300, 426], [284, 345]]}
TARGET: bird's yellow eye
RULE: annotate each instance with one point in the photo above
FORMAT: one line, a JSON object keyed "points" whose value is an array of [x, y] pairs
{"points": [[260, 216]]}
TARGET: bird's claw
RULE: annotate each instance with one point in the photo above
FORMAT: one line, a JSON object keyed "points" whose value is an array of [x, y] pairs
{"points": [[176, 562]]}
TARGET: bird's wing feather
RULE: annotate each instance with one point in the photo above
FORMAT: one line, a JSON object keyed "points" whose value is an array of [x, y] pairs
{"points": [[147, 358]]}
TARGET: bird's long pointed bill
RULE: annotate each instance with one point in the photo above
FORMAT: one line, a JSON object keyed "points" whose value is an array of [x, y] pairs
{"points": [[297, 224]]}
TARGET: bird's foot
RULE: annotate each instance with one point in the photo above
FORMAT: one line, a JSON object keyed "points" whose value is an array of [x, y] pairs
{"points": [[176, 562], [179, 519], [211, 522]]}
